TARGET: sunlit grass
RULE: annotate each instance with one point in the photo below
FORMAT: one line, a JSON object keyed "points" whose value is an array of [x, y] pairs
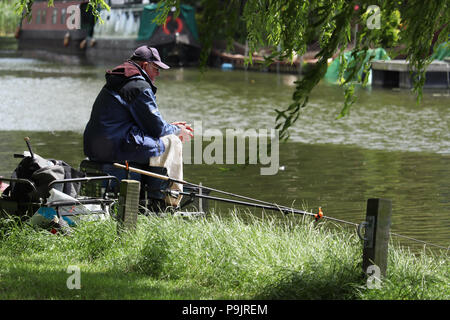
{"points": [[238, 257]]}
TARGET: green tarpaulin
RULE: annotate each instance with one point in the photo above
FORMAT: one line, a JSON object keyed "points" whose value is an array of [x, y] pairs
{"points": [[442, 52], [148, 27], [332, 74]]}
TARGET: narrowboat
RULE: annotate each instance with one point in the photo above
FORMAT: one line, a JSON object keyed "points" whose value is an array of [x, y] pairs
{"points": [[58, 29], [69, 29]]}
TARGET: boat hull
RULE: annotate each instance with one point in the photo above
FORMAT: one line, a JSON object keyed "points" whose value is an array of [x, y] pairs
{"points": [[112, 51], [57, 41], [111, 42]]}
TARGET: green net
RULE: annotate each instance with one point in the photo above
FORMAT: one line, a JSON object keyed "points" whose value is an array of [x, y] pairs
{"points": [[332, 74], [442, 51]]}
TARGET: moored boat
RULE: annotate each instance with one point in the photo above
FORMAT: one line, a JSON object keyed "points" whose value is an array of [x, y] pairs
{"points": [[69, 28], [56, 29]]}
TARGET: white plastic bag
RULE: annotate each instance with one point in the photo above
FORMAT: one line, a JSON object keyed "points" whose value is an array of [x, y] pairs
{"points": [[71, 214]]}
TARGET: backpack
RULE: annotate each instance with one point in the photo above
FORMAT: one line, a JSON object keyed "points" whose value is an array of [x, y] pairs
{"points": [[41, 172]]}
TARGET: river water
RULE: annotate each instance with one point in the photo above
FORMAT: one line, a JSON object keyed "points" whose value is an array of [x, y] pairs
{"points": [[389, 147]]}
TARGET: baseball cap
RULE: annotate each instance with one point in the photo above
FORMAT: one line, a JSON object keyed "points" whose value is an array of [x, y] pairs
{"points": [[149, 54]]}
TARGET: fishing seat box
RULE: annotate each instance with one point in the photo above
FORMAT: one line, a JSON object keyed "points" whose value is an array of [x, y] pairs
{"points": [[151, 188]]}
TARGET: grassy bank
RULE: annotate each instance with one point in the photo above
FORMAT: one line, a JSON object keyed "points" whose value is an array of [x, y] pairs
{"points": [[213, 258]]}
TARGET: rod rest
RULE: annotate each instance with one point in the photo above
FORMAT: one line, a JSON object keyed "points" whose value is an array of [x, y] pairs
{"points": [[150, 187]]}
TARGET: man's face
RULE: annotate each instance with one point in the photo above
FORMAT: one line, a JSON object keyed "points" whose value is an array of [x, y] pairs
{"points": [[151, 69]]}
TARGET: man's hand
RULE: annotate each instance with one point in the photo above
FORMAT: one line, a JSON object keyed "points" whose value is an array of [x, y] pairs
{"points": [[185, 131], [183, 123]]}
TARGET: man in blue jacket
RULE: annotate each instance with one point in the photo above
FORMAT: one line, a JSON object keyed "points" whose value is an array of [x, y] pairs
{"points": [[126, 124]]}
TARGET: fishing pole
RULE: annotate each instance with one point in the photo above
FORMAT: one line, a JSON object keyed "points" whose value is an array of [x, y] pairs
{"points": [[273, 207], [166, 178], [262, 204]]}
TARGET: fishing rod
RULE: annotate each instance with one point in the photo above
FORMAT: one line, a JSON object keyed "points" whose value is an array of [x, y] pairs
{"points": [[268, 205], [261, 205], [273, 207], [166, 178]]}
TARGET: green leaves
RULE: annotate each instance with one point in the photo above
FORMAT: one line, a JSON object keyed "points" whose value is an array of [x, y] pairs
{"points": [[332, 29], [349, 101], [23, 7]]}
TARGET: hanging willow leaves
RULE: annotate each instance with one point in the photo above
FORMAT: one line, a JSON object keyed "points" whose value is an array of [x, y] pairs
{"points": [[415, 27], [23, 7]]}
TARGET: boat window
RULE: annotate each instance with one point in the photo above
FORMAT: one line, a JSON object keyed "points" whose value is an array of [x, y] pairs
{"points": [[44, 13], [63, 16], [54, 16], [38, 17]]}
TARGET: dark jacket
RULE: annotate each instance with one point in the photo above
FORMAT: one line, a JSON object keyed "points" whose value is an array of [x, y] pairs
{"points": [[125, 123]]}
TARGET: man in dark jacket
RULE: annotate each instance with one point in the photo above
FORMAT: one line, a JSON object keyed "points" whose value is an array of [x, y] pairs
{"points": [[125, 122]]}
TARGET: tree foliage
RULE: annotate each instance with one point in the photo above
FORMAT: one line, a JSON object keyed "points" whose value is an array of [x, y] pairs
{"points": [[414, 26], [8, 18], [291, 25]]}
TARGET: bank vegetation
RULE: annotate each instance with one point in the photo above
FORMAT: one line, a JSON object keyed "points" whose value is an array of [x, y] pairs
{"points": [[237, 257]]}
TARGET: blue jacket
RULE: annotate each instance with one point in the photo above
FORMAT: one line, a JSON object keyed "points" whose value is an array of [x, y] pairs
{"points": [[125, 122]]}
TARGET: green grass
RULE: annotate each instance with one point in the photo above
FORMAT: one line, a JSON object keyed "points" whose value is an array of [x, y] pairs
{"points": [[241, 257]]}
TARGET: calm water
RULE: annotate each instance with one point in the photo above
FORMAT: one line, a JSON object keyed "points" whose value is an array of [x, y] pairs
{"points": [[388, 147]]}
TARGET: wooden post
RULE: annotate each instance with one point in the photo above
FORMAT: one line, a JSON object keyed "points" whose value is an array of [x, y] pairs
{"points": [[200, 199], [376, 238], [128, 204]]}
